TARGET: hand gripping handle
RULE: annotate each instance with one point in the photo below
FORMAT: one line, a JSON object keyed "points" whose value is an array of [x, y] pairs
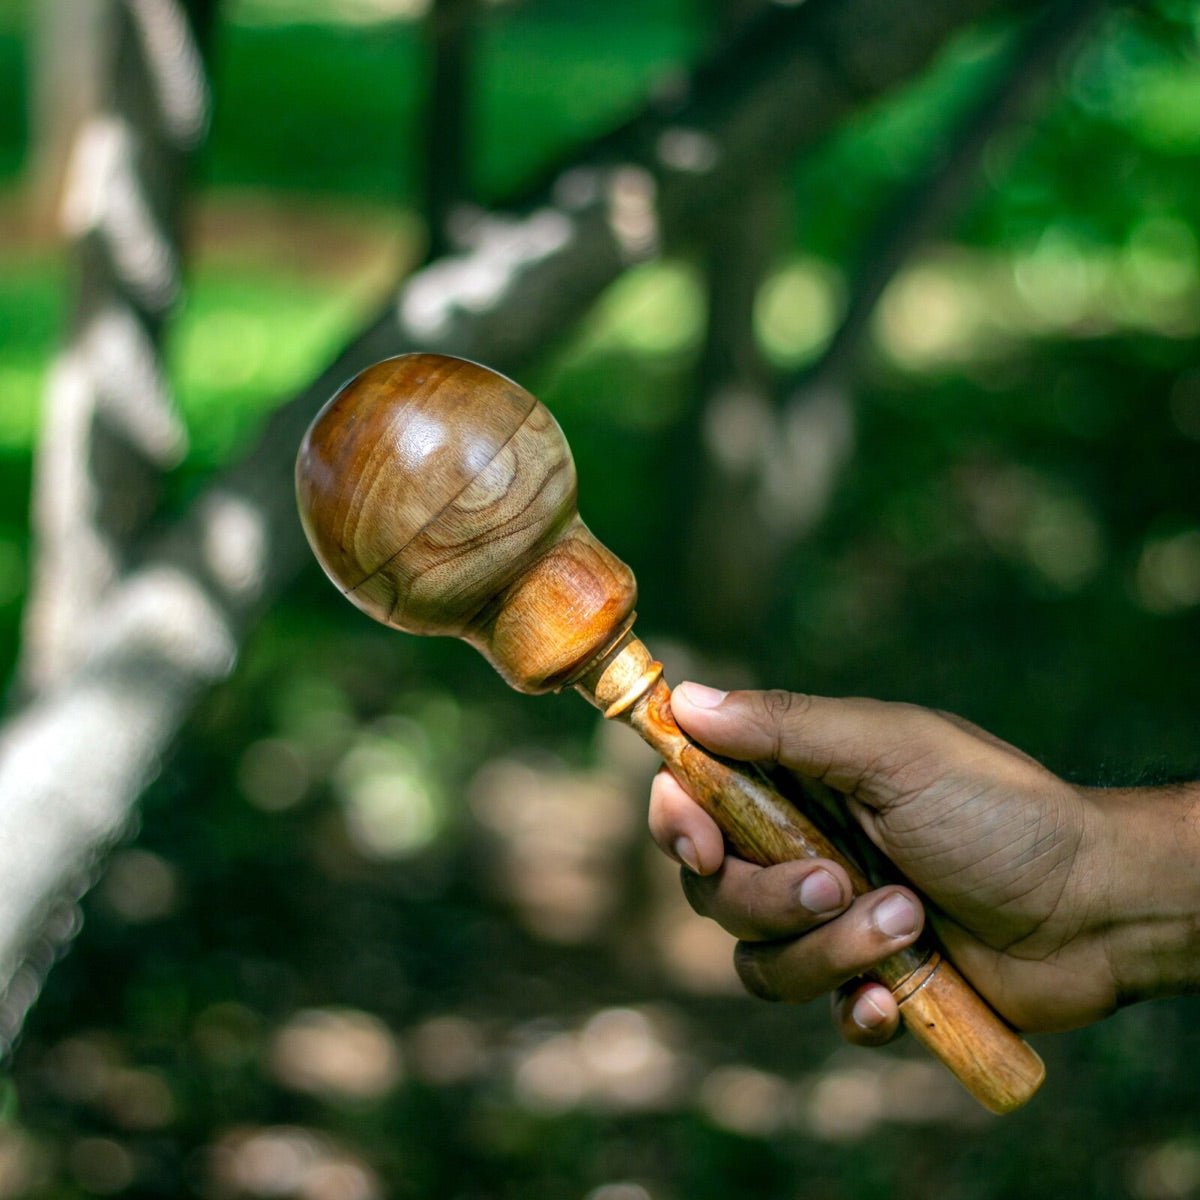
{"points": [[937, 1004]]}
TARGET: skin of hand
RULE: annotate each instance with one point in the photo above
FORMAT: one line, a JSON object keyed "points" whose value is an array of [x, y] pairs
{"points": [[1027, 880]]}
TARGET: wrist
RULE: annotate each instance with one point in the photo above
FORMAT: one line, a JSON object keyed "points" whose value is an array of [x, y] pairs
{"points": [[1149, 855]]}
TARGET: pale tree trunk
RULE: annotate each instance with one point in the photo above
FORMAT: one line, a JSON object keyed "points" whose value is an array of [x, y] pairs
{"points": [[66, 85], [74, 762], [109, 426]]}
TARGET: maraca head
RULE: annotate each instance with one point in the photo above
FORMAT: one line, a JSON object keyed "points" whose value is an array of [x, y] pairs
{"points": [[439, 497]]}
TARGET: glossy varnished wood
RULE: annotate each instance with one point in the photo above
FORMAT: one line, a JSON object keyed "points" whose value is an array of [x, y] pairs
{"points": [[440, 497]]}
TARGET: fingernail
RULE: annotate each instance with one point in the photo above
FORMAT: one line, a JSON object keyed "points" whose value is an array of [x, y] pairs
{"points": [[895, 916], [866, 1014], [685, 851], [701, 696], [820, 893]]}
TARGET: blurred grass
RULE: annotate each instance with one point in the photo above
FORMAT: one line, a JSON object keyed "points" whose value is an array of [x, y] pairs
{"points": [[242, 343], [324, 108]]}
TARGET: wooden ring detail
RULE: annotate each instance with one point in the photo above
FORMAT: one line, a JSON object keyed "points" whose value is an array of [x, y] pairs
{"points": [[909, 986], [635, 691]]}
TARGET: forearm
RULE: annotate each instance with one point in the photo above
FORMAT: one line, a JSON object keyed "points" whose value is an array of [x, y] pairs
{"points": [[1152, 908]]}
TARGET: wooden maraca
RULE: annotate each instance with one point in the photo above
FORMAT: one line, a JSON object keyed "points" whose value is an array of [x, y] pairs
{"points": [[440, 497]]}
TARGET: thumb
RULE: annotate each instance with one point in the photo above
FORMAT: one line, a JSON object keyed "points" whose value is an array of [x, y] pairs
{"points": [[848, 744]]}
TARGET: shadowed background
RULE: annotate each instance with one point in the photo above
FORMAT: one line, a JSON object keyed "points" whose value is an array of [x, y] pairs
{"points": [[914, 415]]}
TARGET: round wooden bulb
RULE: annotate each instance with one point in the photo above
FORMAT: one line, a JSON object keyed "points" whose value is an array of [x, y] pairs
{"points": [[439, 496]]}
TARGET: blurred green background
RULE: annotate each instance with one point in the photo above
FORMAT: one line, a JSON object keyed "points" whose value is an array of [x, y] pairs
{"points": [[389, 929]]}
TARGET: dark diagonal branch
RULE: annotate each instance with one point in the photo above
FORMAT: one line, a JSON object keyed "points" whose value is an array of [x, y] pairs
{"points": [[940, 190], [813, 436]]}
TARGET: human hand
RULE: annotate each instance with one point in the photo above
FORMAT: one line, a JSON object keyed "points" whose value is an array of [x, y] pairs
{"points": [[1019, 872]]}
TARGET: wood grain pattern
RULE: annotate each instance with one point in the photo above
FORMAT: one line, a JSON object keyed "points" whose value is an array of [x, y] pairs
{"points": [[441, 498]]}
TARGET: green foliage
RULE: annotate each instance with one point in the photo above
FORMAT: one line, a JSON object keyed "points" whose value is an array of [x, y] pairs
{"points": [[242, 341], [383, 916]]}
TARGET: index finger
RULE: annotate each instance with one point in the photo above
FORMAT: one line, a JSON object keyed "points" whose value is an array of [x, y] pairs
{"points": [[846, 743]]}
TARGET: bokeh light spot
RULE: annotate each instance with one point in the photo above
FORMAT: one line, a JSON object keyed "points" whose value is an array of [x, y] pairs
{"points": [[795, 311], [745, 1100], [140, 886], [336, 1053], [447, 1050], [1168, 1171], [101, 1166], [1168, 573], [273, 774]]}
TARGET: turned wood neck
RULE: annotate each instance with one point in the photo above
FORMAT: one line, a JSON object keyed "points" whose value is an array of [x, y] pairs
{"points": [[558, 614], [620, 675]]}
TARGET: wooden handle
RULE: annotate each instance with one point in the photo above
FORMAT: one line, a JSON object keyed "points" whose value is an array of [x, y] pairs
{"points": [[941, 1009]]}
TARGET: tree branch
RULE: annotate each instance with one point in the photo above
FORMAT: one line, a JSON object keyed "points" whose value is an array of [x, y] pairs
{"points": [[943, 186], [813, 436]]}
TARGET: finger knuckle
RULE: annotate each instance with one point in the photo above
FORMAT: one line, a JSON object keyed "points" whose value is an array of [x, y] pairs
{"points": [[776, 702], [779, 703], [781, 707], [927, 723], [747, 961]]}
